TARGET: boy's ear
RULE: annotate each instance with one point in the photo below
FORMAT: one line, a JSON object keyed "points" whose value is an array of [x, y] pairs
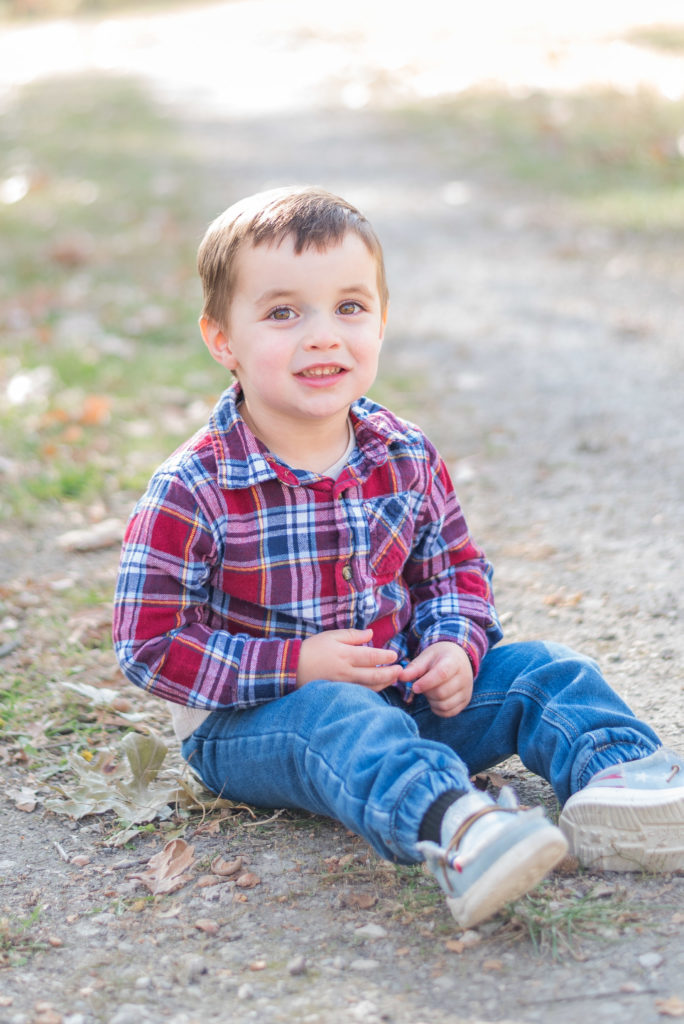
{"points": [[217, 342], [383, 325]]}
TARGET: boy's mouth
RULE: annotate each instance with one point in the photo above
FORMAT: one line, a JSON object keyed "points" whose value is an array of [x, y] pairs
{"points": [[321, 371]]}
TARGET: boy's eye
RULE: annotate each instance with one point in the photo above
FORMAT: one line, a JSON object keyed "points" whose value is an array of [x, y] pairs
{"points": [[281, 313], [346, 308]]}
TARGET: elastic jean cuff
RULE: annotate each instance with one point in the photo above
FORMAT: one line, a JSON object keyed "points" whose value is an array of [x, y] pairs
{"points": [[606, 755]]}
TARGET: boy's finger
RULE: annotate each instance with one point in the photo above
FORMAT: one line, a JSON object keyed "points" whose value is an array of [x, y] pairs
{"points": [[369, 656], [377, 678], [355, 637], [433, 679], [415, 668]]}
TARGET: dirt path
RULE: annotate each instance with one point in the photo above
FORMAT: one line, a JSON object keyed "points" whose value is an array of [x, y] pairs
{"points": [[547, 363]]}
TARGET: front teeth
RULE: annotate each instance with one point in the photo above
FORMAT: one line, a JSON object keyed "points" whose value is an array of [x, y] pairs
{"points": [[323, 371]]}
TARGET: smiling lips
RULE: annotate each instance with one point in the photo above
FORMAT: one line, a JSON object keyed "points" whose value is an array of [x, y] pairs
{"points": [[321, 371]]}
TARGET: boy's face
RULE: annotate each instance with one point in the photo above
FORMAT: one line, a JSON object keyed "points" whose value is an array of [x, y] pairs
{"points": [[303, 334]]}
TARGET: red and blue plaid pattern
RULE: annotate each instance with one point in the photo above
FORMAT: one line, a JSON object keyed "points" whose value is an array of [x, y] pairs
{"points": [[231, 559]]}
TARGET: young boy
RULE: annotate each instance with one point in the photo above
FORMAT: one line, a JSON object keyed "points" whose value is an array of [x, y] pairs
{"points": [[299, 583]]}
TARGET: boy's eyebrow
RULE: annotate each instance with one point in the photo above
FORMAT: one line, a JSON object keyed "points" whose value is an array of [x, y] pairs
{"points": [[274, 294]]}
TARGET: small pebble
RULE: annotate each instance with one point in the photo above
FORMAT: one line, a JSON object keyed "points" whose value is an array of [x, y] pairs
{"points": [[128, 1013], [650, 960], [191, 970], [471, 938], [364, 1011], [371, 931], [362, 964], [297, 965]]}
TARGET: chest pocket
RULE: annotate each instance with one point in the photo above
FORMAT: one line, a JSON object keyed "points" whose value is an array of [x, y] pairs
{"points": [[390, 526]]}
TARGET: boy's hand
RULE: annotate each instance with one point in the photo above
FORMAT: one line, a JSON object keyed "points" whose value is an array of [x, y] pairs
{"points": [[444, 674], [341, 654]]}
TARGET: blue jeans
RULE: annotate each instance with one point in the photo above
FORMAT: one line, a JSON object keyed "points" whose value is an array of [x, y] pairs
{"points": [[376, 764]]}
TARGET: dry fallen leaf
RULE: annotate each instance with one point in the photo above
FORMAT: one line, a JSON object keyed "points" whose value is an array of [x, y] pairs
{"points": [[135, 789], [89, 627], [207, 926], [46, 1014], [455, 945], [25, 798], [360, 900], [561, 599], [209, 828], [483, 780], [225, 868], [568, 866], [167, 870], [206, 881], [100, 535], [96, 410], [672, 1007], [248, 880]]}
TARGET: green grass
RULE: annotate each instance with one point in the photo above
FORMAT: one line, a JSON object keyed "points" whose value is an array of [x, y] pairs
{"points": [[416, 893], [668, 38], [99, 298], [617, 159], [35, 10], [17, 939], [557, 921]]}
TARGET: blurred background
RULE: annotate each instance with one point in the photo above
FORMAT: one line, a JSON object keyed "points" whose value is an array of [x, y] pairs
{"points": [[125, 128]]}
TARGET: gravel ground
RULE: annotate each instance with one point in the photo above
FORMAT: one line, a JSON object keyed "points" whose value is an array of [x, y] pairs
{"points": [[546, 361]]}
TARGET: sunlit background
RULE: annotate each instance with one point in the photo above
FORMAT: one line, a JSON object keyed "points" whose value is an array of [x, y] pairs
{"points": [[269, 55], [125, 129]]}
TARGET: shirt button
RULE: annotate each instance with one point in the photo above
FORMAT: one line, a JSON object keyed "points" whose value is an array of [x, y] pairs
{"points": [[347, 573]]}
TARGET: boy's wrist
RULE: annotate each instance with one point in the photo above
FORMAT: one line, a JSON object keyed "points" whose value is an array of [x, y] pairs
{"points": [[470, 652]]}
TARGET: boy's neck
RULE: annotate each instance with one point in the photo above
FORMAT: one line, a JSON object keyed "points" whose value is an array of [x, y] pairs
{"points": [[312, 447]]}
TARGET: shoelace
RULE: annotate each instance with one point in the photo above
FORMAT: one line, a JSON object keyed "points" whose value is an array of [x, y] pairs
{"points": [[454, 861]]}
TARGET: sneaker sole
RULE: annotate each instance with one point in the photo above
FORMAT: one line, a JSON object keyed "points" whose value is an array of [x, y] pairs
{"points": [[626, 829], [512, 875]]}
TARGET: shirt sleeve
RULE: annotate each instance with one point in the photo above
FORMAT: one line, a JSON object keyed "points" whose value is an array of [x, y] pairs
{"points": [[165, 635], [449, 577]]}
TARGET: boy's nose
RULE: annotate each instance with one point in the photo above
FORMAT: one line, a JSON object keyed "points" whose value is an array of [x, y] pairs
{"points": [[321, 334]]}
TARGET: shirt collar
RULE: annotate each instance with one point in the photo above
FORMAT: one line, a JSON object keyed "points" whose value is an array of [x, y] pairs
{"points": [[242, 460]]}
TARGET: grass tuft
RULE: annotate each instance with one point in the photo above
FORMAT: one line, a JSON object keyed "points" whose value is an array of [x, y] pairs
{"points": [[557, 920]]}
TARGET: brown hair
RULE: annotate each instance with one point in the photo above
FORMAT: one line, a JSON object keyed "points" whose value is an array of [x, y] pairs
{"points": [[310, 216]]}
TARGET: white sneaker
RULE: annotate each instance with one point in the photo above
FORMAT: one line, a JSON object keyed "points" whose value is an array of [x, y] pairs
{"points": [[630, 817], [491, 853]]}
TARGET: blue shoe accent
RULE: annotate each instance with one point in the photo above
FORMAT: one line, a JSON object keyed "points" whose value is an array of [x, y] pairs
{"points": [[630, 816], [491, 853]]}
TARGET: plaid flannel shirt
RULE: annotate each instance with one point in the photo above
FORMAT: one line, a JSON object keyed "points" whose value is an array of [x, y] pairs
{"points": [[232, 558]]}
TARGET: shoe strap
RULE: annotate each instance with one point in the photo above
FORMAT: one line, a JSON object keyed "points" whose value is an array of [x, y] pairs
{"points": [[458, 835]]}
